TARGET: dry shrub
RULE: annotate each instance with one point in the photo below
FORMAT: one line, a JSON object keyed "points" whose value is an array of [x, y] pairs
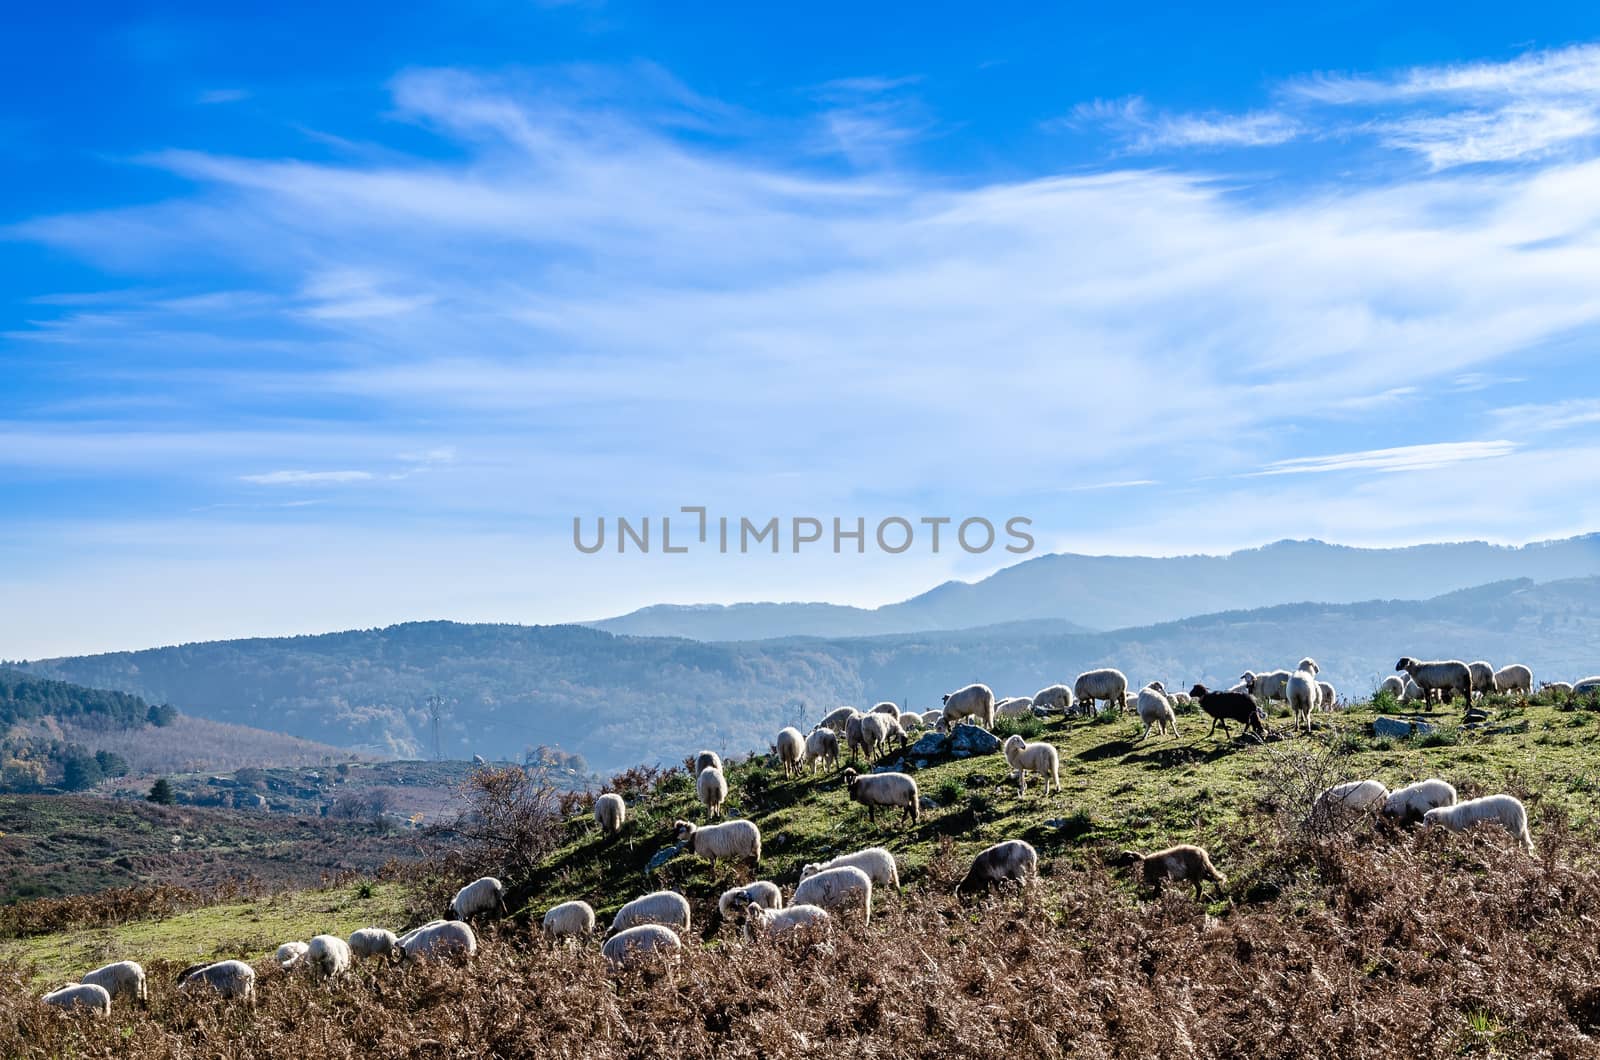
{"points": [[42, 916]]}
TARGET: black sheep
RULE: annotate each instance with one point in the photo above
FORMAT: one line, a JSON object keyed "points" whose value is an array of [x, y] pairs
{"points": [[1229, 706]]}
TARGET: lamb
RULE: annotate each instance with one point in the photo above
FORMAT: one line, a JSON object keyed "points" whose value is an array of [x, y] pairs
{"points": [[1392, 685], [225, 979], [711, 787], [289, 954], [640, 946], [667, 908], [759, 920], [1180, 864], [1352, 796], [1586, 687], [1028, 758], [1482, 677], [884, 789], [707, 760], [1443, 677], [888, 708], [87, 997], [1505, 809], [764, 893], [1302, 693], [568, 920], [122, 979], [973, 701], [609, 813], [1413, 692], [1268, 686], [373, 942], [436, 942], [1223, 707], [1561, 687], [1056, 699], [733, 839], [1013, 859], [1411, 802], [329, 954], [1014, 707], [876, 862], [483, 895], [1514, 678], [843, 888], [1095, 685], [1155, 710], [822, 746], [791, 749], [1327, 697], [837, 719]]}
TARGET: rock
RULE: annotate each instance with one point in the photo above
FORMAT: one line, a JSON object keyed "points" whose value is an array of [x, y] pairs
{"points": [[888, 767], [1399, 728], [967, 739], [933, 743], [927, 803], [660, 858]]}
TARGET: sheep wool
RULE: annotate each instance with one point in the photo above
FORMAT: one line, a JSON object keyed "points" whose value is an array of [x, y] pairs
{"points": [[1012, 859], [610, 812], [876, 862], [124, 979], [81, 997], [1505, 810], [842, 889], [1025, 758], [667, 908], [740, 840], [1095, 685]]}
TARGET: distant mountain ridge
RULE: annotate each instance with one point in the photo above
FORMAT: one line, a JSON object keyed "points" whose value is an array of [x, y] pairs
{"points": [[1118, 592]]}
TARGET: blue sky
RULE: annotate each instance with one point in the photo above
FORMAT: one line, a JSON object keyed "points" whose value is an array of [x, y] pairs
{"points": [[319, 320]]}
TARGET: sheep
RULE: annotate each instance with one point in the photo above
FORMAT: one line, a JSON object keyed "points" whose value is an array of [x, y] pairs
{"points": [[437, 942], [973, 701], [1443, 677], [1413, 692], [764, 893], [1180, 699], [876, 862], [641, 945], [1095, 685], [1025, 758], [1327, 696], [707, 760], [884, 789], [329, 954], [1223, 707], [843, 888], [1013, 859], [609, 813], [373, 942], [1302, 693], [837, 719], [409, 935], [870, 734], [1271, 685], [225, 979], [1586, 687], [1350, 797], [1412, 801], [1180, 864], [1015, 707], [1392, 685], [1056, 699], [667, 908], [1514, 678], [1482, 677], [483, 895], [933, 718], [891, 709], [711, 787], [822, 746], [1553, 687], [791, 749], [568, 920], [124, 978], [87, 997], [1155, 710], [289, 954], [762, 921], [734, 839], [1506, 809]]}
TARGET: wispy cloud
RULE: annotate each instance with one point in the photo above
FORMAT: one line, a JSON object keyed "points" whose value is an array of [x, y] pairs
{"points": [[1143, 129], [214, 96], [1401, 458], [306, 478]]}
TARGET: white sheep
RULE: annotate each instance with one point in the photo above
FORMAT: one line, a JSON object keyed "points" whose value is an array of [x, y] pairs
{"points": [[483, 895], [1482, 676], [407, 936], [1095, 685], [973, 701], [1025, 758], [1393, 684], [733, 839], [1411, 802], [373, 942], [1514, 678], [822, 746], [1012, 859], [329, 954], [667, 908], [226, 979], [1352, 796], [837, 719], [122, 979], [835, 890], [1443, 677], [1055, 699], [1327, 696], [645, 944], [1302, 694], [1507, 810], [876, 862], [764, 893], [759, 921], [1014, 707], [1180, 699], [568, 920], [610, 812], [707, 760], [711, 787], [933, 718], [1155, 710], [884, 789], [1413, 692], [871, 733], [891, 709], [1562, 687], [86, 997], [289, 954], [1274, 684], [1586, 687], [792, 749], [436, 942]]}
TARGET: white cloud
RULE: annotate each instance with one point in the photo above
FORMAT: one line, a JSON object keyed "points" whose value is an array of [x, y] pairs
{"points": [[1142, 129], [1401, 458], [306, 478]]}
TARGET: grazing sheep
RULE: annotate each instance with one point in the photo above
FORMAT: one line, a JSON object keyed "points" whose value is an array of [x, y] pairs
{"points": [[1014, 707], [225, 979], [1180, 699], [791, 749], [1392, 685], [483, 895], [419, 929], [667, 908], [289, 954], [122, 979], [373, 942], [1586, 687], [822, 746], [884, 789], [1507, 810], [1413, 692], [329, 954], [843, 888], [1514, 678], [437, 942], [1412, 801], [760, 921], [876, 862], [1012, 859], [569, 920], [1223, 707], [1180, 864], [1442, 677], [86, 997], [764, 893], [1095, 685], [1057, 699], [1482, 677], [1268, 686], [1556, 686], [1025, 758], [1327, 697], [837, 719], [1155, 710], [711, 787], [933, 718], [1302, 693], [707, 760], [871, 733], [734, 839], [891, 709], [1350, 797], [636, 947], [973, 701], [609, 813]]}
